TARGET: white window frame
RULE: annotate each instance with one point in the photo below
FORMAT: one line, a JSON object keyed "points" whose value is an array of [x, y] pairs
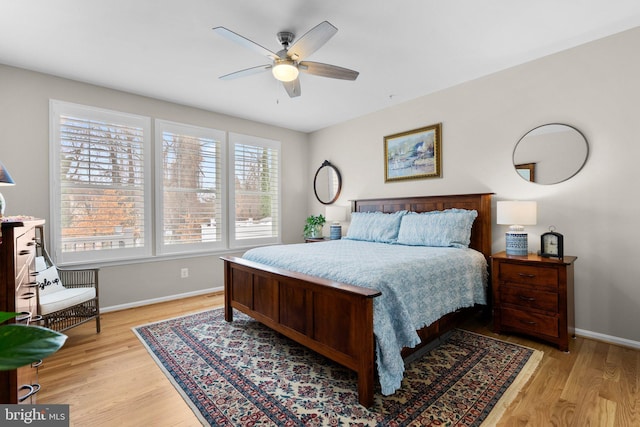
{"points": [[61, 108], [236, 138], [219, 136]]}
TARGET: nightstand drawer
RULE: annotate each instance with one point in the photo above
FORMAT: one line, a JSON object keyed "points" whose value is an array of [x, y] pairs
{"points": [[528, 298], [528, 274], [528, 322]]}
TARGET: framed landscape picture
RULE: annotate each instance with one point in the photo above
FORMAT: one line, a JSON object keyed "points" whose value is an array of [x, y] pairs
{"points": [[413, 154]]}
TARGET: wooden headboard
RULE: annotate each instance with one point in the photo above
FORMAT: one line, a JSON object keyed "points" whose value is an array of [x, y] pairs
{"points": [[481, 231]]}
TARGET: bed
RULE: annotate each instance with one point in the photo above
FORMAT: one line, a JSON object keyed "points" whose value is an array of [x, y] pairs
{"points": [[334, 318]]}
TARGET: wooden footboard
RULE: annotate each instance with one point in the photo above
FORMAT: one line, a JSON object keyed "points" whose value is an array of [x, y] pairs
{"points": [[331, 318]]}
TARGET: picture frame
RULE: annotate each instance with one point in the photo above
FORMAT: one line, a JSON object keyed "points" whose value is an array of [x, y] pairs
{"points": [[527, 171], [414, 154]]}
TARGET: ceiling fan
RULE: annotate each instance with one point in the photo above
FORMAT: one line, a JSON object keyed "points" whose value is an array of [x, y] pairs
{"points": [[288, 62]]}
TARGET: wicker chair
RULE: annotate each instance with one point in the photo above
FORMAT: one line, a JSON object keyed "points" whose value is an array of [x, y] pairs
{"points": [[75, 299]]}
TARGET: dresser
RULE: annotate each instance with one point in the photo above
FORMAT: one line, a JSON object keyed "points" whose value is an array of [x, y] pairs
{"points": [[533, 295], [18, 294]]}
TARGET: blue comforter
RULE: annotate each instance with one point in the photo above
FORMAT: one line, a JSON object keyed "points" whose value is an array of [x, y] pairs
{"points": [[419, 285]]}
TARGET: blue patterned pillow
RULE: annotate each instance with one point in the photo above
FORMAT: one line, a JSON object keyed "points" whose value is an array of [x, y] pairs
{"points": [[451, 227], [375, 226]]}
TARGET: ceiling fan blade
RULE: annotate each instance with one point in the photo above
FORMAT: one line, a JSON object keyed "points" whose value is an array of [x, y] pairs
{"points": [[313, 40], [292, 88], [327, 70], [243, 41], [246, 72]]}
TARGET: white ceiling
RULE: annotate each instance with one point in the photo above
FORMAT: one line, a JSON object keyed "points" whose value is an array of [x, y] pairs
{"points": [[403, 49]]}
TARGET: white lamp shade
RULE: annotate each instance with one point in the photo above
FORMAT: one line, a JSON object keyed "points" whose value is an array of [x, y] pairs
{"points": [[335, 213], [517, 212]]}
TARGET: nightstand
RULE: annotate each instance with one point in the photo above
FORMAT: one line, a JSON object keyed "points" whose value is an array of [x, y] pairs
{"points": [[533, 295]]}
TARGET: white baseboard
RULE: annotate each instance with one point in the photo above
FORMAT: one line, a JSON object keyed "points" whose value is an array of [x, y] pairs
{"points": [[157, 300], [608, 338]]}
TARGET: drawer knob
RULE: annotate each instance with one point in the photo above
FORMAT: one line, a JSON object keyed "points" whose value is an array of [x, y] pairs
{"points": [[528, 322], [528, 276], [528, 299], [24, 252]]}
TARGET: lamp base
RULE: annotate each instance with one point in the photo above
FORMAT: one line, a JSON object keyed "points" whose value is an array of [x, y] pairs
{"points": [[335, 232], [517, 243]]}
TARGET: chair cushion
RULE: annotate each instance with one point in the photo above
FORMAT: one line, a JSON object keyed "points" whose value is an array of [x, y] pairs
{"points": [[65, 298]]}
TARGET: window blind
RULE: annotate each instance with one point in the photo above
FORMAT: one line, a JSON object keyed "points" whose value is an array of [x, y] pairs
{"points": [[99, 176], [256, 170], [192, 180], [101, 184]]}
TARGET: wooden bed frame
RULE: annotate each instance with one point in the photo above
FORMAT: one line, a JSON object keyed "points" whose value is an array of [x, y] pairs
{"points": [[336, 319]]}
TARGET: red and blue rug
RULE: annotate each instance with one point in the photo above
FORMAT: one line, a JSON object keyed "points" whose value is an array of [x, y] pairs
{"points": [[244, 374]]}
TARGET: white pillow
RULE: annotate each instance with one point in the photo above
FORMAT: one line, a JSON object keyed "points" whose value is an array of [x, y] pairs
{"points": [[48, 281], [41, 264]]}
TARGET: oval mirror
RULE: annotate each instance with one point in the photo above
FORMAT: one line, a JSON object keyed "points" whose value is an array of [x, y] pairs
{"points": [[550, 153], [327, 183]]}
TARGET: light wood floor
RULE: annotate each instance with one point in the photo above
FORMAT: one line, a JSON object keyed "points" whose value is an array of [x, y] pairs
{"points": [[109, 379]]}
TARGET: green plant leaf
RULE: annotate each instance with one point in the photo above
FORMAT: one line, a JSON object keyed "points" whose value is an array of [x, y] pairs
{"points": [[313, 222], [4, 316], [22, 344]]}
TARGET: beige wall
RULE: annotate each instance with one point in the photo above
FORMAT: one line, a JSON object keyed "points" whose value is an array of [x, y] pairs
{"points": [[24, 149], [595, 88]]}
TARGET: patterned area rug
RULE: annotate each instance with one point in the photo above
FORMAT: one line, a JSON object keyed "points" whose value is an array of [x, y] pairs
{"points": [[244, 374]]}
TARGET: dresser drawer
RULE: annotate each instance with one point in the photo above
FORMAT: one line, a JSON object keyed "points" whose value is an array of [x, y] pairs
{"points": [[528, 322], [528, 274], [527, 298], [25, 252], [26, 302], [27, 377]]}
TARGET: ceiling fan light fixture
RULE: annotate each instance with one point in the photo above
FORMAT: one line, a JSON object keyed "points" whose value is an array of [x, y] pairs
{"points": [[290, 60], [285, 71]]}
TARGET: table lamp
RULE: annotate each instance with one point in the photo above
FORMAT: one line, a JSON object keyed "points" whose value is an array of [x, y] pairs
{"points": [[5, 179], [517, 214], [335, 214]]}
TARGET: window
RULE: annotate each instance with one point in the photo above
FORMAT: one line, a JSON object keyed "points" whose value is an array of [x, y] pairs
{"points": [[213, 190], [254, 199], [189, 188], [100, 174]]}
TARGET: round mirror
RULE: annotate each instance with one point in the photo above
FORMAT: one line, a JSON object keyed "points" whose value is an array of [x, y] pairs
{"points": [[327, 183], [550, 153]]}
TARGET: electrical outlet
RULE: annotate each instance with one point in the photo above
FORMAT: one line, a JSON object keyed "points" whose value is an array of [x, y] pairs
{"points": [[184, 273]]}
